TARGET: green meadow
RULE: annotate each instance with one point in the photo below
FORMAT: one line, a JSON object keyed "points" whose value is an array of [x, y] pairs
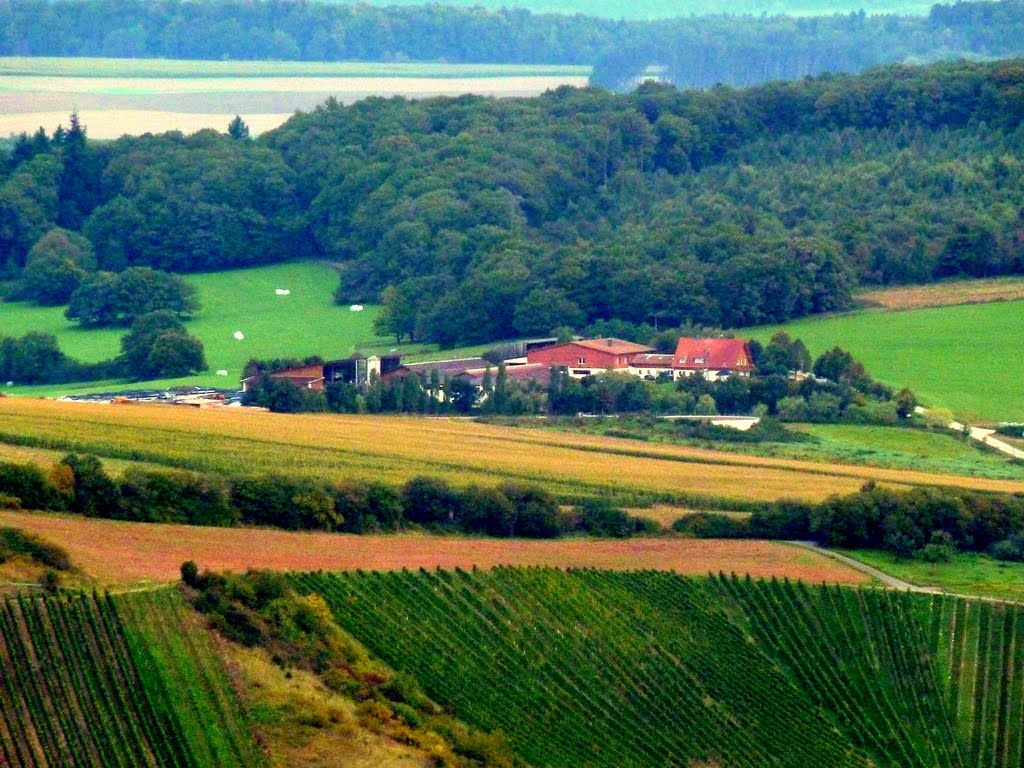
{"points": [[305, 322], [966, 358], [968, 573]]}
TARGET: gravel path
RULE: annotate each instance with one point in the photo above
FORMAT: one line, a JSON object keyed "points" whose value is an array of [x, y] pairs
{"points": [[890, 581]]}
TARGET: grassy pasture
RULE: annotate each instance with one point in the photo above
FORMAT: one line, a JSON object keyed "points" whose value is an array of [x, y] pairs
{"points": [[394, 449], [900, 448], [306, 322], [969, 573], [966, 358]]}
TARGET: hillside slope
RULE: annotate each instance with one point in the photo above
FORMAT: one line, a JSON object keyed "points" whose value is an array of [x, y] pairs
{"points": [[738, 673]]}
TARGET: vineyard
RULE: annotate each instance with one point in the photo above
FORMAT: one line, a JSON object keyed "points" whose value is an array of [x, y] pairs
{"points": [[113, 683], [721, 671]]}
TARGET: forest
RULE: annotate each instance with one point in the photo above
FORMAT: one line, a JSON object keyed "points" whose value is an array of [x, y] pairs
{"points": [[477, 219], [690, 51]]}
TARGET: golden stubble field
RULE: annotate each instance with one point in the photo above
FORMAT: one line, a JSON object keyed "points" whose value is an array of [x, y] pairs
{"points": [[116, 554], [394, 449]]}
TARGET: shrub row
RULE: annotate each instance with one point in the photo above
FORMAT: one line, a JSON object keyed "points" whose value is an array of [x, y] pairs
{"points": [[927, 522], [14, 541], [79, 484]]}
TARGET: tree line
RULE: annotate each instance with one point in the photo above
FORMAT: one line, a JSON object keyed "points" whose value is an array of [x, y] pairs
{"points": [[80, 485], [928, 523], [690, 50], [477, 219]]}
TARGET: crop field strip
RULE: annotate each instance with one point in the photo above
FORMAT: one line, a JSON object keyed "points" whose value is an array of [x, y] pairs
{"points": [[42, 66], [119, 554], [721, 669], [393, 449], [81, 687]]}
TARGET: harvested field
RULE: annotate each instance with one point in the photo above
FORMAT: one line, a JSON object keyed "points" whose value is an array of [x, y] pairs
{"points": [[114, 97], [124, 554], [395, 449], [945, 294]]}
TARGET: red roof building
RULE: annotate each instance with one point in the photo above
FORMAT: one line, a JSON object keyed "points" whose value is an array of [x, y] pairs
{"points": [[713, 358], [588, 356]]}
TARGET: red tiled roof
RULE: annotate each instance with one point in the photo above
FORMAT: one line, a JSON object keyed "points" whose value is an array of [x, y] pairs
{"points": [[612, 346], [713, 354], [315, 371], [652, 361]]}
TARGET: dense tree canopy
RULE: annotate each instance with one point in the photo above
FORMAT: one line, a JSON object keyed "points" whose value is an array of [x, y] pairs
{"points": [[691, 50], [476, 219]]}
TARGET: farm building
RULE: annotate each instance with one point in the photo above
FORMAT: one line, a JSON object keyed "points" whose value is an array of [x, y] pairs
{"points": [[357, 369], [652, 365], [712, 358], [588, 356]]}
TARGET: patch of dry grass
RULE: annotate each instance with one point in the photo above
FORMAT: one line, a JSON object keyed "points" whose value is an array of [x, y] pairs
{"points": [[945, 294], [301, 723]]}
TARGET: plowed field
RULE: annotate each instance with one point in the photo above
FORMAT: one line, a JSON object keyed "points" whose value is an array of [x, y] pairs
{"points": [[124, 554]]}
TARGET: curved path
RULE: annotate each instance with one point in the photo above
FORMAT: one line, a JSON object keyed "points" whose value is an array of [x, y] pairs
{"points": [[888, 580]]}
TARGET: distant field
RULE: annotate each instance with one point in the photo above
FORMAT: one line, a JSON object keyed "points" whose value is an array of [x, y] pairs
{"points": [[663, 9], [179, 68], [966, 358], [918, 449], [394, 449], [121, 554], [969, 573], [945, 294], [118, 96]]}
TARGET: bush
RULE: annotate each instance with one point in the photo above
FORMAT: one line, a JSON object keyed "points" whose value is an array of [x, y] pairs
{"points": [[488, 511], [50, 581], [940, 549], [599, 517], [17, 541], [174, 497], [537, 515], [431, 501], [1009, 550], [27, 484], [784, 519], [95, 494], [190, 573]]}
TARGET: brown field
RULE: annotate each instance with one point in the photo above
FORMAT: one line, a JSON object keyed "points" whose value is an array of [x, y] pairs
{"points": [[945, 294], [120, 554], [394, 449]]}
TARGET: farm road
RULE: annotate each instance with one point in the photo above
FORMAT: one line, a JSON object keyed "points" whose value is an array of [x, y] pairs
{"points": [[890, 581]]}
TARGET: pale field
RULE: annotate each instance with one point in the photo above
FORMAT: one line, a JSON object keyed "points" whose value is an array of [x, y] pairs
{"points": [[945, 294], [120, 554], [394, 449], [118, 97], [85, 66]]}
